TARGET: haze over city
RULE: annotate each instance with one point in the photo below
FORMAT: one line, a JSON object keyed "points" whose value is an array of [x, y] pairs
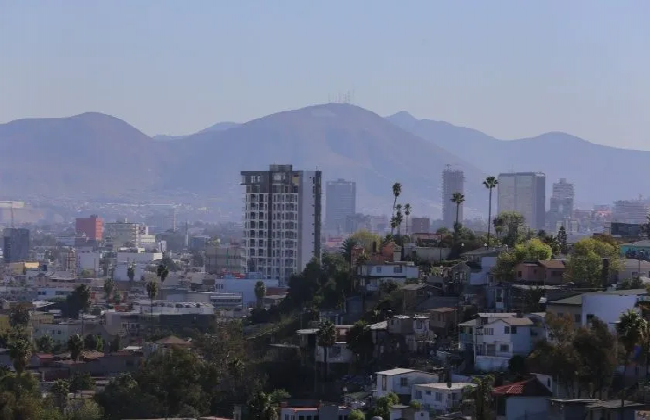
{"points": [[310, 210]]}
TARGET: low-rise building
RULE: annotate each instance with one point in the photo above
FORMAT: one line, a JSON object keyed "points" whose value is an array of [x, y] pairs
{"points": [[441, 398], [400, 381], [398, 272]]}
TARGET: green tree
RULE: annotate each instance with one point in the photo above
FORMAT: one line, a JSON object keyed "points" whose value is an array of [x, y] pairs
{"points": [[481, 397], [397, 190], [130, 272], [356, 415], [532, 250], [60, 391], [109, 286], [458, 199], [490, 183], [81, 382], [19, 316], [630, 330], [45, 344], [562, 241], [512, 223], [20, 351], [629, 284], [261, 407], [326, 339], [384, 404], [407, 213], [595, 348], [75, 346], [359, 340], [117, 297], [162, 272], [78, 301], [585, 262], [115, 344], [86, 410], [152, 291], [399, 218], [260, 293]]}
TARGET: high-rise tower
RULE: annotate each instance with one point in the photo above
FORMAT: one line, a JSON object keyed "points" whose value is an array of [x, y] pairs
{"points": [[453, 181], [525, 193], [282, 220], [340, 204]]}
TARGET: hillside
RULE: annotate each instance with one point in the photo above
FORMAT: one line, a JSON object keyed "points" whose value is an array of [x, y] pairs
{"points": [[91, 154], [216, 127], [341, 140], [559, 155]]}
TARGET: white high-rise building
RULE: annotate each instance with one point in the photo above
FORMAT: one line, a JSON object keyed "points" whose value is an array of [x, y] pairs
{"points": [[453, 181], [340, 204], [282, 220], [525, 193]]}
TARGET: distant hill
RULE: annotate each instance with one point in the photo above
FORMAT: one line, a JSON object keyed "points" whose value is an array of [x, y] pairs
{"points": [[601, 174], [341, 140], [88, 154], [217, 127]]}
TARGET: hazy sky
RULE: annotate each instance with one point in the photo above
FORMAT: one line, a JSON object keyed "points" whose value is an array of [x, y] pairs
{"points": [[509, 68]]}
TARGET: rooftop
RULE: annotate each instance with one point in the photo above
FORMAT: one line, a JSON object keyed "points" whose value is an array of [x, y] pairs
{"points": [[443, 386], [528, 388], [577, 299], [396, 371]]}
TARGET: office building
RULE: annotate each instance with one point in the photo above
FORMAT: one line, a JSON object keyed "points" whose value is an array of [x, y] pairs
{"points": [[420, 225], [525, 193], [91, 227], [561, 206], [340, 204], [453, 181], [631, 211], [282, 220], [15, 245]]}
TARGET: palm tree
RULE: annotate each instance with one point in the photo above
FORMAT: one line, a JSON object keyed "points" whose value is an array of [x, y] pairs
{"points": [[130, 272], [75, 346], [109, 286], [407, 213], [60, 390], [399, 218], [490, 183], [260, 292], [458, 199], [481, 397], [397, 190], [326, 339], [20, 350], [152, 291], [630, 330], [162, 272]]}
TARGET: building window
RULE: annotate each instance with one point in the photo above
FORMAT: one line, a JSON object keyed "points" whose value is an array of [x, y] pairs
{"points": [[418, 395], [590, 317], [403, 382], [504, 348], [513, 330], [438, 396], [427, 392], [577, 318], [488, 331], [506, 330]]}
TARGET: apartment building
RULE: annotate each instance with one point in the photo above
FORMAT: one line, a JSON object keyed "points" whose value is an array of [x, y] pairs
{"points": [[15, 245], [91, 227], [282, 220], [453, 181], [525, 193], [340, 204]]}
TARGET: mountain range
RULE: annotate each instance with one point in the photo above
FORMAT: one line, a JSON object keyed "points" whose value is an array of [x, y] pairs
{"points": [[99, 156]]}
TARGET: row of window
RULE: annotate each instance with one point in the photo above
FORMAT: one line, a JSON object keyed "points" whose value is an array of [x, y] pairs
{"points": [[506, 330]]}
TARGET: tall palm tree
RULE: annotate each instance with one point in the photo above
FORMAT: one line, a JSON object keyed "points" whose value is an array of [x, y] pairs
{"points": [[60, 390], [407, 213], [162, 272], [481, 397], [630, 329], [75, 346], [397, 190], [152, 291], [130, 272], [399, 218], [326, 339], [260, 292], [109, 286], [458, 199], [490, 183], [20, 350]]}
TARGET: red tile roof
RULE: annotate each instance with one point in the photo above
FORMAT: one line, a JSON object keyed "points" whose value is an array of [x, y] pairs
{"points": [[528, 388]]}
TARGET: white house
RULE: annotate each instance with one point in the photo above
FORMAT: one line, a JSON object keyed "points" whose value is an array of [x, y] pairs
{"points": [[375, 274], [609, 306], [401, 380], [499, 340], [440, 397]]}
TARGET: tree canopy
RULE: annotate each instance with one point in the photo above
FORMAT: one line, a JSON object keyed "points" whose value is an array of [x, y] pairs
{"points": [[585, 262]]}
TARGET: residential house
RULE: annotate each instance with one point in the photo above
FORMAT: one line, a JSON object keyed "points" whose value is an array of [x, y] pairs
{"points": [[440, 398], [313, 411], [606, 306], [482, 261], [592, 409], [413, 295], [466, 331], [540, 272], [527, 399], [400, 381], [501, 339], [374, 273], [631, 268], [451, 280], [442, 321], [337, 354]]}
